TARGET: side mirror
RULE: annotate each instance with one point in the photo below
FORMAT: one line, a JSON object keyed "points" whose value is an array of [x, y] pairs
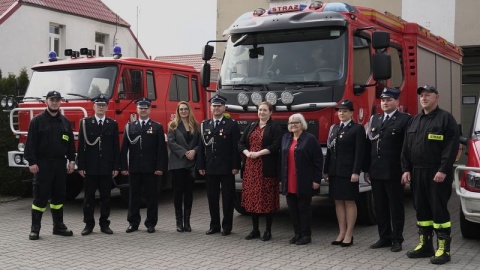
{"points": [[380, 40], [358, 89], [205, 75], [382, 66], [464, 140], [207, 52]]}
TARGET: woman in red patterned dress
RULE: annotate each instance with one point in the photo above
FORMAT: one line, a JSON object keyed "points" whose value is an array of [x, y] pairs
{"points": [[260, 145]]}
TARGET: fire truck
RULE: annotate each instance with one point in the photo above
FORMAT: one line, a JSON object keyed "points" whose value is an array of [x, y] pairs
{"points": [[122, 79], [308, 58]]}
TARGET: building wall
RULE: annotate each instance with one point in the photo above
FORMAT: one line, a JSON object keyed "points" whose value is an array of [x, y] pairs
{"points": [[27, 43], [467, 23]]}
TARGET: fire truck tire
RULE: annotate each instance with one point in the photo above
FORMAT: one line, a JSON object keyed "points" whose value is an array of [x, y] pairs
{"points": [[469, 229], [366, 209], [74, 186], [238, 203]]}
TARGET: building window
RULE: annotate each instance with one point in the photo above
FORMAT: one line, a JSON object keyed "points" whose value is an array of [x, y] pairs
{"points": [[55, 38], [101, 40]]}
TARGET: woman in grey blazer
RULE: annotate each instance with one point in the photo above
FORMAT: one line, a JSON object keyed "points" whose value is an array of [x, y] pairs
{"points": [[183, 141]]}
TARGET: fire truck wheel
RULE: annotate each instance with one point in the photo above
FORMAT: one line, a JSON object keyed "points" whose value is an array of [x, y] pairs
{"points": [[366, 209], [469, 229], [238, 203], [74, 186]]}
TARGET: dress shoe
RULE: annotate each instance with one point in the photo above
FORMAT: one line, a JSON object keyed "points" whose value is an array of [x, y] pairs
{"points": [[294, 239], [131, 228], [88, 230], [225, 233], [337, 243], [381, 244], [34, 236], [106, 230], [62, 231], [267, 235], [396, 247], [343, 244], [253, 235], [151, 229], [212, 231], [304, 240]]}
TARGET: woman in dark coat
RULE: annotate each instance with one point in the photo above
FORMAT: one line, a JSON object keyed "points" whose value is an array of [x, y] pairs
{"points": [[343, 163], [301, 173], [260, 144]]}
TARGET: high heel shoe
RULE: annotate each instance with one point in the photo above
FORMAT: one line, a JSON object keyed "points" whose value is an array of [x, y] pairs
{"points": [[343, 244], [337, 243]]}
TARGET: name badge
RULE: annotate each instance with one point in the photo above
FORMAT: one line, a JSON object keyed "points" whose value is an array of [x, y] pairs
{"points": [[65, 137], [435, 137]]}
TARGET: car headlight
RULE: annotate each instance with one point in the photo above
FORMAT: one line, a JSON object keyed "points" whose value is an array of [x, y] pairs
{"points": [[256, 98], [17, 159], [287, 98], [242, 99], [473, 179], [271, 98], [10, 102], [3, 102]]}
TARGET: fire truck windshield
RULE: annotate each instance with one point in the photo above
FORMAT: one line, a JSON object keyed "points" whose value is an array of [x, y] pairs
{"points": [[77, 83], [313, 56]]}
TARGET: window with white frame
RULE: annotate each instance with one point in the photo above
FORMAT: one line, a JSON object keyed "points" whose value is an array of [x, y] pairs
{"points": [[55, 38], [100, 43]]}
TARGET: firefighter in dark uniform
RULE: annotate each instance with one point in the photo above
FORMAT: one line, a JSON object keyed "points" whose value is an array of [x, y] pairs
{"points": [[50, 143], [429, 151], [219, 160], [144, 158], [383, 170], [98, 162]]}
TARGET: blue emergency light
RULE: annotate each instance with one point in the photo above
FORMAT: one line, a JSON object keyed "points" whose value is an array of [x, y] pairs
{"points": [[52, 56], [117, 52]]}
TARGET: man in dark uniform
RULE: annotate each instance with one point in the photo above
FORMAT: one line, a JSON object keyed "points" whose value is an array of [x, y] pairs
{"points": [[144, 157], [98, 162], [429, 151], [383, 170], [50, 143], [219, 160]]}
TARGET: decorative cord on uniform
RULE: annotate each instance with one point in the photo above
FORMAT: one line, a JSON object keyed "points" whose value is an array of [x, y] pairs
{"points": [[87, 142], [134, 141]]}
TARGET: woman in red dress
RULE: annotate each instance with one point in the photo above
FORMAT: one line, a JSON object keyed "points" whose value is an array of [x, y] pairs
{"points": [[260, 145]]}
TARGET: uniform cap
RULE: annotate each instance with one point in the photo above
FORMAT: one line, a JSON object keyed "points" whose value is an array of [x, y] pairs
{"points": [[390, 92], [143, 103], [346, 104], [102, 99], [54, 94], [218, 100], [427, 88]]}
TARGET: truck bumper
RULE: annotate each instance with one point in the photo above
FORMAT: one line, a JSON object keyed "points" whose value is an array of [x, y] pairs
{"points": [[16, 159], [469, 200]]}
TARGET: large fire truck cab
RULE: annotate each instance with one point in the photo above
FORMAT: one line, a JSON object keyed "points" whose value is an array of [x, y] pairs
{"points": [[307, 58], [122, 80]]}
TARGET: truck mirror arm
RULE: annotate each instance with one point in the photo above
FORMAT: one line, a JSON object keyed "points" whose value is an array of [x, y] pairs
{"points": [[117, 111]]}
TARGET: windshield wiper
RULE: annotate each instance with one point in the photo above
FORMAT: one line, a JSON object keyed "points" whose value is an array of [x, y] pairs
{"points": [[36, 98], [243, 86], [78, 95], [301, 85]]}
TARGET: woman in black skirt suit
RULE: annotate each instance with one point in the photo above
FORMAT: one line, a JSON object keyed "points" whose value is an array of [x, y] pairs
{"points": [[343, 163]]}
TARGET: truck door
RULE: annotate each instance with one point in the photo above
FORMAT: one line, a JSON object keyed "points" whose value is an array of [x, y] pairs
{"points": [[130, 87], [197, 102]]}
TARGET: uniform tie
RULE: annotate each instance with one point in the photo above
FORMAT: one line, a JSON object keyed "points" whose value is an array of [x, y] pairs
{"points": [[217, 122], [340, 128], [143, 123], [100, 123], [386, 118]]}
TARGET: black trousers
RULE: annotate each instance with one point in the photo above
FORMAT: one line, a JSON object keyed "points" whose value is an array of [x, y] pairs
{"points": [[104, 185], [50, 183], [430, 198], [146, 184], [388, 196], [182, 189], [301, 213], [227, 183]]}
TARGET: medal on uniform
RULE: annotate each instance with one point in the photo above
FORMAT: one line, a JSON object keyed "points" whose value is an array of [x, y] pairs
{"points": [[373, 129], [150, 130]]}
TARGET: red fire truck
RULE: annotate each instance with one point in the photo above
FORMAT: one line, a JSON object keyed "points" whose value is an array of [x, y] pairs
{"points": [[123, 80], [307, 58]]}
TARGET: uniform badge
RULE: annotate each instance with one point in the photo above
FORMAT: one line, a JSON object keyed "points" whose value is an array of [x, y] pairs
{"points": [[373, 129], [93, 121], [150, 130]]}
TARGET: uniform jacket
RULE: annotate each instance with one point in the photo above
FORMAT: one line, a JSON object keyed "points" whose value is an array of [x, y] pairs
{"points": [[308, 163], [385, 141], [178, 147], [49, 137], [272, 136], [346, 155], [103, 157], [220, 156], [149, 153], [431, 141]]}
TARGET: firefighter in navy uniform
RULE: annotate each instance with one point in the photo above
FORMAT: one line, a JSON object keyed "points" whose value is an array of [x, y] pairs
{"points": [[219, 160], [98, 162], [50, 143], [144, 158], [383, 169], [429, 151]]}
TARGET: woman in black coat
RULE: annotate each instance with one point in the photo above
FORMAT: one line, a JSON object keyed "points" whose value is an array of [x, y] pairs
{"points": [[260, 144], [343, 164], [301, 173]]}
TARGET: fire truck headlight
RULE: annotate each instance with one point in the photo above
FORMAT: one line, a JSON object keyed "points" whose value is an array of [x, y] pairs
{"points": [[256, 98], [242, 99], [10, 102], [287, 98], [473, 179], [24, 161], [17, 159], [3, 102], [21, 147], [271, 98]]}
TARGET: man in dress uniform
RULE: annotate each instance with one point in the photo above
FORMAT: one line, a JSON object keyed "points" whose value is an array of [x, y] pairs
{"points": [[429, 151], [383, 169], [98, 162], [219, 160], [144, 158], [50, 143]]}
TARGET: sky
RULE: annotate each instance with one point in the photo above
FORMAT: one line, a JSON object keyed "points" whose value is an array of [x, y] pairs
{"points": [[169, 27]]}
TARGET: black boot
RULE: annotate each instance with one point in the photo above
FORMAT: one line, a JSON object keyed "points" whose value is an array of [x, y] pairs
{"points": [[297, 235], [59, 227], [179, 217], [443, 249], [36, 224], [186, 220], [425, 247]]}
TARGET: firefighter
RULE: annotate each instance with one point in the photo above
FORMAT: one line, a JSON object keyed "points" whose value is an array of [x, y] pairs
{"points": [[219, 160], [98, 162], [50, 143], [144, 158], [429, 151]]}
